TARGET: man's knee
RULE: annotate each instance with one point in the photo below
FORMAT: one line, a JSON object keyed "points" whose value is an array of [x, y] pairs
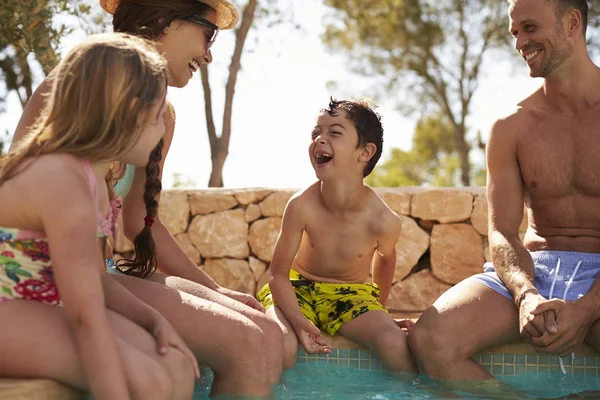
{"points": [[428, 340]]}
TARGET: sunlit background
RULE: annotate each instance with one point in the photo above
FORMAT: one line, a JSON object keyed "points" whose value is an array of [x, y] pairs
{"points": [[288, 73]]}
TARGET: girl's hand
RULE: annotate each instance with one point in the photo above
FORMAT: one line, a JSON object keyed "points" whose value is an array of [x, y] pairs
{"points": [[166, 337]]}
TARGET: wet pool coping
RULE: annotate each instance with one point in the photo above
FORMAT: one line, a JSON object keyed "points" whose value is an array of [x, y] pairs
{"points": [[506, 360]]}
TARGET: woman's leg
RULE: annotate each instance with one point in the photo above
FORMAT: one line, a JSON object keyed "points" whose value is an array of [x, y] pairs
{"points": [[36, 342], [231, 344], [271, 329]]}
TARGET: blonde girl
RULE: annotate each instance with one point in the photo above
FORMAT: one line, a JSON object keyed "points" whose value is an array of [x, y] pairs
{"points": [[62, 317]]}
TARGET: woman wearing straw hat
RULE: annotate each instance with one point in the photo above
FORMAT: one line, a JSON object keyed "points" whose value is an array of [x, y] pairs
{"points": [[226, 330]]}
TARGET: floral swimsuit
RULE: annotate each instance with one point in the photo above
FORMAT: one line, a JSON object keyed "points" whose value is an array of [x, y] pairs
{"points": [[25, 264]]}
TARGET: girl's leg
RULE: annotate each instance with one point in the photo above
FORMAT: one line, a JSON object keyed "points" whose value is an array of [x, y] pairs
{"points": [[36, 342]]}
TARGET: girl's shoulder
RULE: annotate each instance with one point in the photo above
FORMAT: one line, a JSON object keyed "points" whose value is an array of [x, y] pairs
{"points": [[57, 169]]}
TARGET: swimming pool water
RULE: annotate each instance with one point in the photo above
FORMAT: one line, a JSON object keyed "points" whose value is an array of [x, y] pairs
{"points": [[328, 382]]}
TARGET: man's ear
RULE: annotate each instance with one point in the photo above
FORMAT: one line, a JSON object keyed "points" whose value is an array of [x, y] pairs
{"points": [[574, 21], [367, 152]]}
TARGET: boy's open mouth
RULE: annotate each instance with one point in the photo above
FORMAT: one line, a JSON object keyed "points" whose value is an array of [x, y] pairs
{"points": [[323, 158]]}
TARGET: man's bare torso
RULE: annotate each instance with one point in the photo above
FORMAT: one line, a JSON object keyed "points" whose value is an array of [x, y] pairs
{"points": [[559, 159], [339, 248]]}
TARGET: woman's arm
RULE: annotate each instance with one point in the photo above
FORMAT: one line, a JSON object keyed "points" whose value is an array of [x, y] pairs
{"points": [[32, 110], [171, 257]]}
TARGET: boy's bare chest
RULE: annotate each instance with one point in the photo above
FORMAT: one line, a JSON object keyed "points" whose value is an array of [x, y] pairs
{"points": [[345, 241], [559, 155]]}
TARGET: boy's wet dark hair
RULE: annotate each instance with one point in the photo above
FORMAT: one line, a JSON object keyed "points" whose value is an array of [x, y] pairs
{"points": [[367, 123]]}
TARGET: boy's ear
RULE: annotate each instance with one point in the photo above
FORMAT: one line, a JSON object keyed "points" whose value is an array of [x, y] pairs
{"points": [[367, 152]]}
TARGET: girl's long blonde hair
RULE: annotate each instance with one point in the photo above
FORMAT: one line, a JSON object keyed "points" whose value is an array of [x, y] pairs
{"points": [[99, 91], [102, 94]]}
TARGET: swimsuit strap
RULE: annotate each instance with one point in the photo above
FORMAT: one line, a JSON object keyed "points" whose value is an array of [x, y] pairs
{"points": [[108, 225]]}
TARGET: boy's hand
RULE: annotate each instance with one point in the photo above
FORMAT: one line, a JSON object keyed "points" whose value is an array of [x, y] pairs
{"points": [[406, 324], [309, 337]]}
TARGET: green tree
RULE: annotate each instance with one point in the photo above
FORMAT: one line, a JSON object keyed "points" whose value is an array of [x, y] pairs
{"points": [[432, 160], [31, 32], [429, 56], [182, 181]]}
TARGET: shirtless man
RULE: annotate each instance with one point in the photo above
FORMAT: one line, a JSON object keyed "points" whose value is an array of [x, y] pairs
{"points": [[548, 153], [331, 234]]}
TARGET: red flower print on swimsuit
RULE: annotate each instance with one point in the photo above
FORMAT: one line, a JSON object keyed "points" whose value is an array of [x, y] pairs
{"points": [[37, 250], [47, 274], [34, 289]]}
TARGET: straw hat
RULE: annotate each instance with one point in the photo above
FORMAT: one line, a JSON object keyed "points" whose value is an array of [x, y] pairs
{"points": [[227, 13]]}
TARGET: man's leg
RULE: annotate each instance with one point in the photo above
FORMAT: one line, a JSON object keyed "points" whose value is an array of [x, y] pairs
{"points": [[468, 318], [377, 331], [593, 336]]}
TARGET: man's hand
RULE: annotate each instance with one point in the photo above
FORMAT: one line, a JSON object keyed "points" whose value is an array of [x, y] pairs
{"points": [[309, 337], [535, 325], [573, 320], [242, 298]]}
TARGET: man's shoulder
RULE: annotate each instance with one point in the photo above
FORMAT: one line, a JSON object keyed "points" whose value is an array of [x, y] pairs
{"points": [[518, 119]]}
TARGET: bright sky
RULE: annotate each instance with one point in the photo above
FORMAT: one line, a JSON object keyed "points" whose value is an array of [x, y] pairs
{"points": [[280, 89]]}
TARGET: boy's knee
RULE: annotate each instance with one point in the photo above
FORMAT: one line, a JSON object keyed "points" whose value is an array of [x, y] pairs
{"points": [[391, 339]]}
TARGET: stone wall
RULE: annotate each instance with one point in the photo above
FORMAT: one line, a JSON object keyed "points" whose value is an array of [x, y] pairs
{"points": [[231, 235]]}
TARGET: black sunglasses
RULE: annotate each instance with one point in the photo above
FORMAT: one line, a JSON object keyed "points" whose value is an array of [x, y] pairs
{"points": [[200, 20]]}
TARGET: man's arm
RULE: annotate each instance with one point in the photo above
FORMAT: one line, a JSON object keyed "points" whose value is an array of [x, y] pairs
{"points": [[384, 262], [505, 194]]}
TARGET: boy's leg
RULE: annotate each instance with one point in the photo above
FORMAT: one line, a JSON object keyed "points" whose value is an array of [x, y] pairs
{"points": [[290, 340], [377, 331]]}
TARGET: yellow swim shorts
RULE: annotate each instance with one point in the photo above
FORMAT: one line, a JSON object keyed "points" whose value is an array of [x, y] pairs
{"points": [[329, 305]]}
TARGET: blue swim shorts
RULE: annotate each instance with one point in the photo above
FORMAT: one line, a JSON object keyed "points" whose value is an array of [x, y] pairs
{"points": [[564, 275]]}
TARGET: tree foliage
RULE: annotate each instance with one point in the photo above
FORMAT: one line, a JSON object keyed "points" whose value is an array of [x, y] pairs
{"points": [[432, 160], [428, 55], [31, 31]]}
